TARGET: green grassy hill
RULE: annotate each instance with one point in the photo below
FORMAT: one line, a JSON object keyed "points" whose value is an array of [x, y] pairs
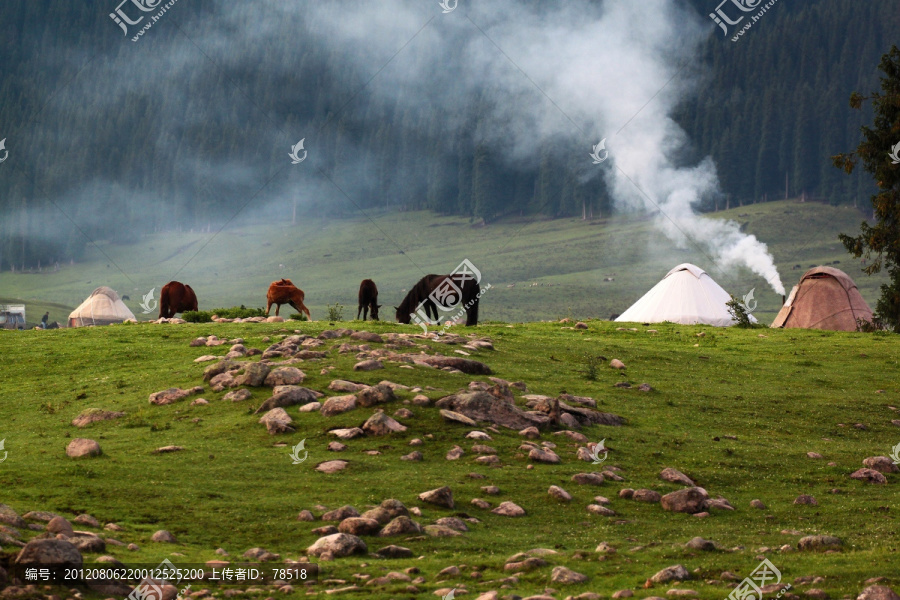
{"points": [[539, 270], [737, 410]]}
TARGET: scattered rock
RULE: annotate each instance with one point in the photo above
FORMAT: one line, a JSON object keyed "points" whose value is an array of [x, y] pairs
{"points": [[819, 542], [347, 434], [543, 455], [284, 376], [284, 396], [814, 455], [237, 395], [359, 526], [588, 478], [368, 365], [168, 396], [882, 464], [869, 476], [81, 447], [401, 526], [566, 576], [756, 503], [531, 433], [509, 509], [336, 447], [559, 493], [676, 476], [455, 453], [470, 367], [164, 537], [456, 417], [878, 592], [806, 499], [597, 509], [381, 424], [338, 545], [442, 497], [339, 514], [616, 364], [60, 525], [367, 336], [622, 594], [93, 415], [254, 374], [331, 466], [698, 543], [376, 394], [483, 406], [645, 495], [277, 421], [413, 456], [479, 503], [393, 551], [49, 552], [306, 515], [673, 573], [688, 500]]}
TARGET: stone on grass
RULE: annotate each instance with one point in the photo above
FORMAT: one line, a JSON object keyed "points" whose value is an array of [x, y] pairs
{"points": [[470, 367], [882, 464], [284, 396], [676, 476], [645, 495], [478, 435], [616, 364], [819, 542], [869, 476], [339, 514], [441, 496], [347, 434], [479, 503], [509, 509], [85, 519], [560, 494], [605, 548], [878, 592], [543, 455], [756, 503], [484, 406], [359, 526], [336, 447], [284, 376], [254, 374], [60, 525], [237, 395], [381, 424], [368, 365], [698, 543], [440, 531], [673, 573], [163, 537], [311, 407], [597, 509], [81, 447], [588, 478], [688, 500], [331, 466], [376, 394], [306, 515], [455, 453], [49, 552], [622, 594], [168, 396], [413, 456], [453, 523], [338, 545], [277, 421], [806, 499], [93, 415], [530, 432], [401, 526], [456, 417], [566, 576], [348, 387]]}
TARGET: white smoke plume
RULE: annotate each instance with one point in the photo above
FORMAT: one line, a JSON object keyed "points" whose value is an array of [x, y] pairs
{"points": [[576, 71]]}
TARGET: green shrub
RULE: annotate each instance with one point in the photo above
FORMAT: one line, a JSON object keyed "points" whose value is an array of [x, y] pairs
{"points": [[740, 314], [297, 317], [336, 312], [235, 312]]}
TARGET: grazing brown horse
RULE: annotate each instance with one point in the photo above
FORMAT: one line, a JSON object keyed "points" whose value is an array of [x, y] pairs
{"points": [[285, 292], [368, 299], [174, 298], [420, 294]]}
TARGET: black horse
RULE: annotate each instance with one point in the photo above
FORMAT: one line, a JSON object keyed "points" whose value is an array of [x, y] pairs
{"points": [[368, 299], [421, 294]]}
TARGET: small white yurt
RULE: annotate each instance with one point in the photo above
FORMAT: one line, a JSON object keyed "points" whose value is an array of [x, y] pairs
{"points": [[686, 295], [102, 307]]}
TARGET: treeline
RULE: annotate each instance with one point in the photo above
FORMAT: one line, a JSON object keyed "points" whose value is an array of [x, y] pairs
{"points": [[99, 151]]}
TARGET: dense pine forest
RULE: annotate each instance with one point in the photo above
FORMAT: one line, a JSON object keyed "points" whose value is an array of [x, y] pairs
{"points": [[189, 128]]}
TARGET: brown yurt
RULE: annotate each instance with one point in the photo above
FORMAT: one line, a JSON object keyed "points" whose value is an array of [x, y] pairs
{"points": [[825, 298]]}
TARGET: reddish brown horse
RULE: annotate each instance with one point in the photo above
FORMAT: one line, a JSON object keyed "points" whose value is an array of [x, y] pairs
{"points": [[285, 292], [176, 297], [368, 299]]}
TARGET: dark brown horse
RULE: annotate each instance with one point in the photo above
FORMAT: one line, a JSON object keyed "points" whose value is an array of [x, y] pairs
{"points": [[368, 299], [285, 292], [176, 297], [421, 293]]}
